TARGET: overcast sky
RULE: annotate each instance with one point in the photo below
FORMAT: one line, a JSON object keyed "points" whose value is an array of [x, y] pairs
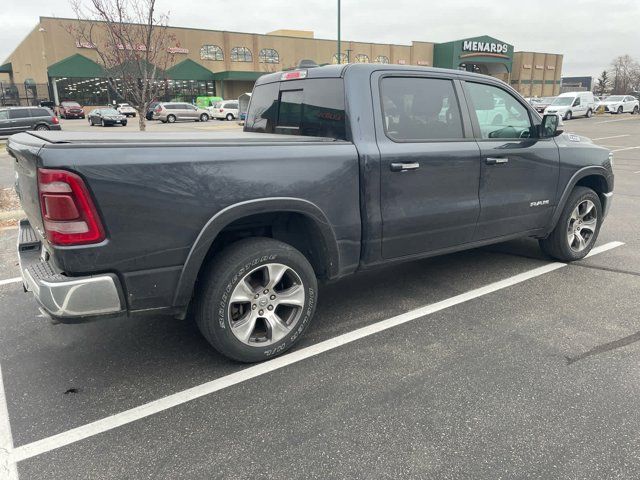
{"points": [[590, 33]]}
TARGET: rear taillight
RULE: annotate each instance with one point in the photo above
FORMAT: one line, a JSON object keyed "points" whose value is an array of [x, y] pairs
{"points": [[222, 110], [68, 213], [158, 109], [55, 120]]}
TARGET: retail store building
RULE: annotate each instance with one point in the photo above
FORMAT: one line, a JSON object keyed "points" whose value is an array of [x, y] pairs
{"points": [[50, 64]]}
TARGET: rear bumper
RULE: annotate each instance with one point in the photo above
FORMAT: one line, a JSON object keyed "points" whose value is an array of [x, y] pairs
{"points": [[67, 299]]}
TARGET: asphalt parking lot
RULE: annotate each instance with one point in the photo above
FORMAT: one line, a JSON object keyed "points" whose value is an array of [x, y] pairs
{"points": [[486, 364]]}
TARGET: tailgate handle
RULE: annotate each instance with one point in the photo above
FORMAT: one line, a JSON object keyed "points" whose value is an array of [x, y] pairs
{"points": [[404, 167], [496, 161]]}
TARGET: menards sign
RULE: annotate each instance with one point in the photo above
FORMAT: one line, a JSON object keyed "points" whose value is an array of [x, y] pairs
{"points": [[488, 47]]}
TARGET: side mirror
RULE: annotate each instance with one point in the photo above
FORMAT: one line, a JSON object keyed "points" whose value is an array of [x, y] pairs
{"points": [[550, 126]]}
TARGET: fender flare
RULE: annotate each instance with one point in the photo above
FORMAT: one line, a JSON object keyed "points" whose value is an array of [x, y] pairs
{"points": [[234, 212], [580, 174]]}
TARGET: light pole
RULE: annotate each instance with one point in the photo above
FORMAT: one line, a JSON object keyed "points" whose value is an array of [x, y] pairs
{"points": [[339, 57]]}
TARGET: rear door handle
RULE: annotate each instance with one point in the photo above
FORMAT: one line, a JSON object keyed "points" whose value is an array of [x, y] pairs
{"points": [[496, 160], [404, 167]]}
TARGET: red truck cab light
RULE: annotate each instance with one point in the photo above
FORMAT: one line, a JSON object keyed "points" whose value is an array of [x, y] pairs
{"points": [[68, 212]]}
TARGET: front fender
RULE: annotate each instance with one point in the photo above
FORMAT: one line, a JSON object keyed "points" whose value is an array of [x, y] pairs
{"points": [[573, 181], [237, 211]]}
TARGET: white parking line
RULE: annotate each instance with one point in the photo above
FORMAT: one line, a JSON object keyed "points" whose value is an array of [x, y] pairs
{"points": [[625, 149], [10, 280], [53, 442], [8, 468], [613, 136], [612, 121]]}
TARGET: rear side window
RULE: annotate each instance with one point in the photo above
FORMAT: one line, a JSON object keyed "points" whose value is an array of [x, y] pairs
{"points": [[19, 113], [40, 112], [310, 107], [420, 109]]}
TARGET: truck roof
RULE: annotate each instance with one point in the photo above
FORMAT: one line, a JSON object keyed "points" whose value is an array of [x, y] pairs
{"points": [[336, 71]]}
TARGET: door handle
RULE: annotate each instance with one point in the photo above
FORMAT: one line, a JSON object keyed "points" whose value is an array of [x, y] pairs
{"points": [[404, 167], [496, 160]]}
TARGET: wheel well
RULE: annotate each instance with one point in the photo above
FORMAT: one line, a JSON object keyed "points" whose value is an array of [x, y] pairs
{"points": [[596, 183], [295, 229]]}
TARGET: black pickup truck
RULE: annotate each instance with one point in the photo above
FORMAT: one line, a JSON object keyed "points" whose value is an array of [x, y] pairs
{"points": [[339, 169]]}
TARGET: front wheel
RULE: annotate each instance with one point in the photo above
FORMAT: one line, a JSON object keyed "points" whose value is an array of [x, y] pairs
{"points": [[103, 123], [589, 113], [568, 115], [255, 299], [204, 117], [620, 110], [635, 110], [577, 229]]}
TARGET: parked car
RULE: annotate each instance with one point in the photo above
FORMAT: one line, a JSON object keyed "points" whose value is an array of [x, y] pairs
{"points": [[150, 109], [621, 104], [171, 112], [68, 110], [225, 110], [541, 103], [20, 119], [239, 227], [126, 110], [572, 104], [107, 117]]}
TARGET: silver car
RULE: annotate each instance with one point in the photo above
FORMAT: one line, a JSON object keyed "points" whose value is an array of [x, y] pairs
{"points": [[175, 111]]}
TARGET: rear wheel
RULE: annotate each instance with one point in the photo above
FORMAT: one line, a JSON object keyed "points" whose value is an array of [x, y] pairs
{"points": [[124, 124], [577, 228], [41, 127], [171, 118], [255, 299]]}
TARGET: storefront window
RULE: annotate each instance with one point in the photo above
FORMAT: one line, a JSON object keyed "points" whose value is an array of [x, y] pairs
{"points": [[269, 55], [241, 54], [382, 59], [343, 58], [362, 58], [211, 52]]}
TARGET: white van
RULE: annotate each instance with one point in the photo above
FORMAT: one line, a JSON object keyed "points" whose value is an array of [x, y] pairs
{"points": [[572, 104]]}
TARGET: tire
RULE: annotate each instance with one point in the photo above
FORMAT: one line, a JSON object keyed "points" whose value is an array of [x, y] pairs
{"points": [[41, 127], [568, 115], [124, 124], [133, 115], [229, 117], [635, 110], [90, 122], [620, 110], [222, 282], [204, 117], [102, 123], [557, 244], [589, 113], [171, 118]]}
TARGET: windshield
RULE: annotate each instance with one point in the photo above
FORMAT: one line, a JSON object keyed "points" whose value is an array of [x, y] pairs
{"points": [[547, 99], [125, 105], [70, 104], [563, 101], [109, 111], [615, 98]]}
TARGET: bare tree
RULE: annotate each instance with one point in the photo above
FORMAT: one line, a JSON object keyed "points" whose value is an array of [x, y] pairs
{"points": [[133, 45], [626, 74]]}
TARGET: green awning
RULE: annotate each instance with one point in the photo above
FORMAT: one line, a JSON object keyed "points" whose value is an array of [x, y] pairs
{"points": [[189, 70], [6, 68], [76, 66], [231, 75]]}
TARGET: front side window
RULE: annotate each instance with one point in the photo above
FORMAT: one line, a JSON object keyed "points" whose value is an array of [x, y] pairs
{"points": [[419, 109], [268, 55], [241, 54], [211, 52], [40, 112], [498, 112], [362, 58], [382, 59]]}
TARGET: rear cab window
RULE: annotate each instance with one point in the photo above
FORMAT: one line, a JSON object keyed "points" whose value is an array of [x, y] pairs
{"points": [[311, 107]]}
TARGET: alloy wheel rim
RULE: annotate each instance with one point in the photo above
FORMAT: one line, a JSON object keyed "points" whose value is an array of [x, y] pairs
{"points": [[582, 226], [266, 305]]}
